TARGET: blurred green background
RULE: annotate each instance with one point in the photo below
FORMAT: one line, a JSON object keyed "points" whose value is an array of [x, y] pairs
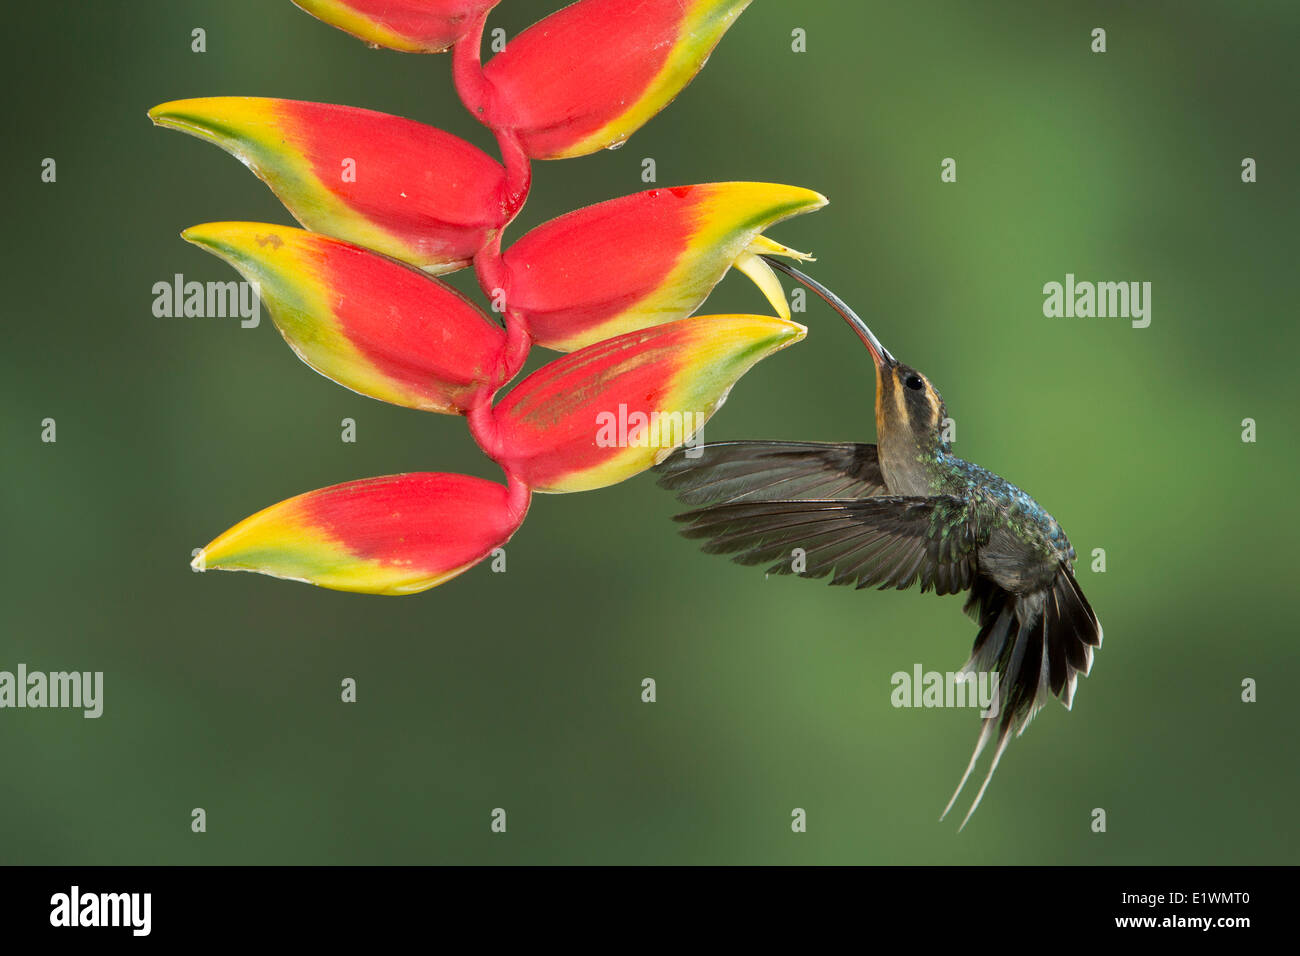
{"points": [[522, 690]]}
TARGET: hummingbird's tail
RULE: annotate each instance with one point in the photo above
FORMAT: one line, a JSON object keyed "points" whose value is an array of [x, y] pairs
{"points": [[1038, 643]]}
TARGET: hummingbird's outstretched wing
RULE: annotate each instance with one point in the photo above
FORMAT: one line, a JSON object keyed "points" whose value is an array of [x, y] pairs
{"points": [[884, 541], [768, 470]]}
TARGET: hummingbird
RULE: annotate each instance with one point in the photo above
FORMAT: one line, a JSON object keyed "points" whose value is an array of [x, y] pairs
{"points": [[901, 512]]}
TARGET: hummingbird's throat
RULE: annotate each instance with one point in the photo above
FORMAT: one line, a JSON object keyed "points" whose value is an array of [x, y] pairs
{"points": [[909, 432], [881, 398]]}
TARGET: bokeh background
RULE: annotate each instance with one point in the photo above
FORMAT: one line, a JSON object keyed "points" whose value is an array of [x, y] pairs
{"points": [[522, 690]]}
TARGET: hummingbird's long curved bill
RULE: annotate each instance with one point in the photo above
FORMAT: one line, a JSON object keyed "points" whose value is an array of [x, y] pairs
{"points": [[878, 351]]}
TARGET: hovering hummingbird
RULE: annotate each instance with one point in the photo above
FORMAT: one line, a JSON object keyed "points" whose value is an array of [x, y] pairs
{"points": [[903, 511]]}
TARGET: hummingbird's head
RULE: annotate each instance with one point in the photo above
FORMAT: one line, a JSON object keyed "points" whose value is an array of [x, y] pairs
{"points": [[908, 407], [909, 411]]}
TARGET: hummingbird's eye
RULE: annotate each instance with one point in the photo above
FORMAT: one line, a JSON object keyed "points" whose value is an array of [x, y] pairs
{"points": [[914, 382]]}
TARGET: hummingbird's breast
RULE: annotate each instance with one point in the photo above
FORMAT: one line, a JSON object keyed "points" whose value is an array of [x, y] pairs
{"points": [[1024, 544], [909, 474]]}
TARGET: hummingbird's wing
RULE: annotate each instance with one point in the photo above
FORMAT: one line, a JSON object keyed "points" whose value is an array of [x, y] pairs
{"points": [[767, 470], [884, 541]]}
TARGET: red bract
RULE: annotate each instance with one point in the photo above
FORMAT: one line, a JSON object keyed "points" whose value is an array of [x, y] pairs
{"points": [[381, 181], [589, 76], [640, 260], [615, 281], [370, 323], [395, 535], [412, 26], [613, 409]]}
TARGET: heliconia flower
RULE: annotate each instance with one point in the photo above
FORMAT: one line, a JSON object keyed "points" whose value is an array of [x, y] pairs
{"points": [[611, 410], [370, 323], [588, 76], [641, 260], [393, 535], [412, 26], [393, 185], [385, 197]]}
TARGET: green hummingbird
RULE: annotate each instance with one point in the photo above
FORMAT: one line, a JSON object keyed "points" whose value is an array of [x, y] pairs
{"points": [[904, 511]]}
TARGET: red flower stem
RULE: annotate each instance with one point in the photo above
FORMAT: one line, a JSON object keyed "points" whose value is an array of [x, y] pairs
{"points": [[473, 88], [519, 171], [483, 427], [490, 269], [518, 497], [467, 68], [475, 91], [494, 280], [518, 342]]}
